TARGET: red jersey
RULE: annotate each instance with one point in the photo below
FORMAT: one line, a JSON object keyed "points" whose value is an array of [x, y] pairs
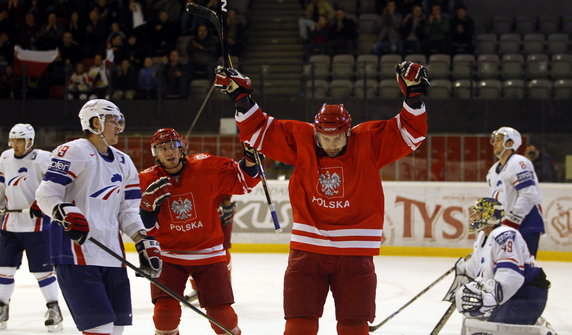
{"points": [[337, 203], [188, 224]]}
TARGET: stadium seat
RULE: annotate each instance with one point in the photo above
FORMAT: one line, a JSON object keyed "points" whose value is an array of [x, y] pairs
{"points": [[463, 89], [563, 89], [548, 24], [365, 44], [561, 66], [514, 89], [368, 23], [439, 66], [367, 6], [488, 66], [533, 43], [343, 67], [489, 89], [539, 89], [387, 65], [349, 6], [558, 43], [501, 25], [341, 89], [536, 66], [317, 89], [417, 58], [463, 66], [486, 44], [388, 89], [525, 25], [440, 89], [567, 25], [509, 44], [512, 66], [363, 91], [366, 66], [199, 89], [182, 42], [319, 67]]}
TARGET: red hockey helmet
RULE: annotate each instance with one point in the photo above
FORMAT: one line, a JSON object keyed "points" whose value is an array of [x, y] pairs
{"points": [[332, 119], [165, 135]]}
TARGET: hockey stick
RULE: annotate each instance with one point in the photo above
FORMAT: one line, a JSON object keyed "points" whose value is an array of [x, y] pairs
{"points": [[158, 284], [24, 210], [443, 319], [375, 327], [271, 206]]}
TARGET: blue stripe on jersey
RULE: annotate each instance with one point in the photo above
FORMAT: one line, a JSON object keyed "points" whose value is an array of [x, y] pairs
{"points": [[524, 184], [94, 195], [2, 180], [509, 265], [133, 194], [57, 178]]}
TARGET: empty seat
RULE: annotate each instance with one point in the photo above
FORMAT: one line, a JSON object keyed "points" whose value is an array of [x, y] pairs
{"points": [[316, 89], [387, 65], [366, 66], [561, 66], [199, 89], [514, 89], [548, 24], [341, 89], [536, 66], [439, 66], [563, 89], [463, 89], [524, 25], [486, 44], [349, 6], [440, 89], [539, 89], [182, 42], [489, 89], [488, 66], [558, 43], [365, 90], [388, 89], [533, 43], [368, 23], [509, 44], [501, 25], [343, 67], [512, 66], [367, 6], [567, 25], [365, 44], [417, 58], [463, 66], [318, 67]]}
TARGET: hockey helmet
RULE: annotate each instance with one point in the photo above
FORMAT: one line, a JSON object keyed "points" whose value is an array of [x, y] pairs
{"points": [[509, 134], [485, 212], [25, 131], [99, 109], [332, 120], [166, 135]]}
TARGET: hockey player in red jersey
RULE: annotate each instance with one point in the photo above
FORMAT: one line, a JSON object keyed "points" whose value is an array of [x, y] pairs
{"points": [[180, 207], [336, 195]]}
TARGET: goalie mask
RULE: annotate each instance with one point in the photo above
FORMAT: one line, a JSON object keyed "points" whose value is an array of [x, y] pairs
{"points": [[102, 110], [509, 134], [167, 136], [484, 213], [22, 131]]}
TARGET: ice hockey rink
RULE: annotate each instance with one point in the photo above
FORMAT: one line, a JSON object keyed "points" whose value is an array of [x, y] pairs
{"points": [[257, 281]]}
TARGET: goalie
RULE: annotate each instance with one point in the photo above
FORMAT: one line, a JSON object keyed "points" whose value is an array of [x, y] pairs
{"points": [[500, 282]]}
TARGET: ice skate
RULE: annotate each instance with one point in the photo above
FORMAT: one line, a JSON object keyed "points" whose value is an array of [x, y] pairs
{"points": [[53, 317], [4, 314]]}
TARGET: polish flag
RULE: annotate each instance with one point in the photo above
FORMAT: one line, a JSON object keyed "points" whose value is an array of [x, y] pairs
{"points": [[33, 62]]}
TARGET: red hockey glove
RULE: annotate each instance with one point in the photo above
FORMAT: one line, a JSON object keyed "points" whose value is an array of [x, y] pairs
{"points": [[35, 211], [233, 83], [155, 194], [512, 220], [227, 213], [248, 152], [412, 79], [72, 220], [149, 252]]}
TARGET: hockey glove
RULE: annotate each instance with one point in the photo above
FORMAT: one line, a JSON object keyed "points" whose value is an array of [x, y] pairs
{"points": [[35, 211], [233, 83], [512, 220], [248, 152], [155, 194], [72, 220], [149, 252], [412, 79], [477, 298], [227, 213], [461, 278]]}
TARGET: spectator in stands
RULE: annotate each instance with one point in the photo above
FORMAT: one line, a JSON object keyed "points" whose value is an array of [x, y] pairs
{"points": [[50, 34], [203, 53], [106, 11], [123, 82], [342, 34], [462, 30], [389, 30], [172, 7], [235, 33], [9, 85], [318, 38], [28, 33], [80, 84], [70, 50], [115, 30], [174, 76], [164, 34], [7, 24], [76, 28], [544, 166], [406, 6], [313, 10], [412, 31], [100, 76], [6, 50], [117, 48], [148, 80], [95, 35], [135, 51], [139, 24], [436, 32]]}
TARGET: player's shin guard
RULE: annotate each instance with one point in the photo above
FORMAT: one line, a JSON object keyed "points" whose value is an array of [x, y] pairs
{"points": [[48, 285], [352, 327], [225, 315], [166, 315], [301, 326], [6, 283]]}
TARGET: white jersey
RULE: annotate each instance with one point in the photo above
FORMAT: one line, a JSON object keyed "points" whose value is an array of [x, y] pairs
{"points": [[19, 179], [515, 185], [105, 188], [503, 256]]}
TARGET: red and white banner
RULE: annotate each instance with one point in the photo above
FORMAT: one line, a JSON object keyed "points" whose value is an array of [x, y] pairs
{"points": [[33, 63]]}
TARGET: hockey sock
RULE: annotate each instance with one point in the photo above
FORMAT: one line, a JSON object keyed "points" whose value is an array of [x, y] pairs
{"points": [[48, 285], [6, 283], [167, 314], [352, 327], [301, 326], [167, 332], [225, 315], [117, 330]]}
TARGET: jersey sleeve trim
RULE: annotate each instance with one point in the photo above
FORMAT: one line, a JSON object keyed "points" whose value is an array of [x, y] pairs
{"points": [[413, 111], [524, 184], [510, 264], [410, 140], [261, 132], [58, 178], [242, 117], [132, 192]]}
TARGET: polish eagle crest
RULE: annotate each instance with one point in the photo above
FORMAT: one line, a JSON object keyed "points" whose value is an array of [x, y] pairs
{"points": [[330, 183], [182, 208]]}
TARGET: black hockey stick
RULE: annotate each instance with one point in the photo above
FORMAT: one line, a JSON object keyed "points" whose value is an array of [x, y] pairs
{"points": [[271, 206], [443, 319], [158, 284], [24, 210]]}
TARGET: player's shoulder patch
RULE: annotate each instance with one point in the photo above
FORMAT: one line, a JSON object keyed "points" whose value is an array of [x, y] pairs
{"points": [[524, 176], [505, 236], [59, 166], [150, 169], [201, 156]]}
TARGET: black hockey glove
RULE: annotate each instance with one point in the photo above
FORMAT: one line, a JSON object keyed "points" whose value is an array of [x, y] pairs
{"points": [[248, 152], [149, 252], [231, 82], [72, 220], [412, 79], [227, 213], [35, 211]]}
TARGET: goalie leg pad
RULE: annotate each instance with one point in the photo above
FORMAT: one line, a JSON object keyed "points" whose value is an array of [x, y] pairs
{"points": [[301, 326]]}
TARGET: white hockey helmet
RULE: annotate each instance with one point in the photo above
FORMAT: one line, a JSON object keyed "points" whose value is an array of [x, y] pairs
{"points": [[509, 134], [25, 131], [99, 108]]}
